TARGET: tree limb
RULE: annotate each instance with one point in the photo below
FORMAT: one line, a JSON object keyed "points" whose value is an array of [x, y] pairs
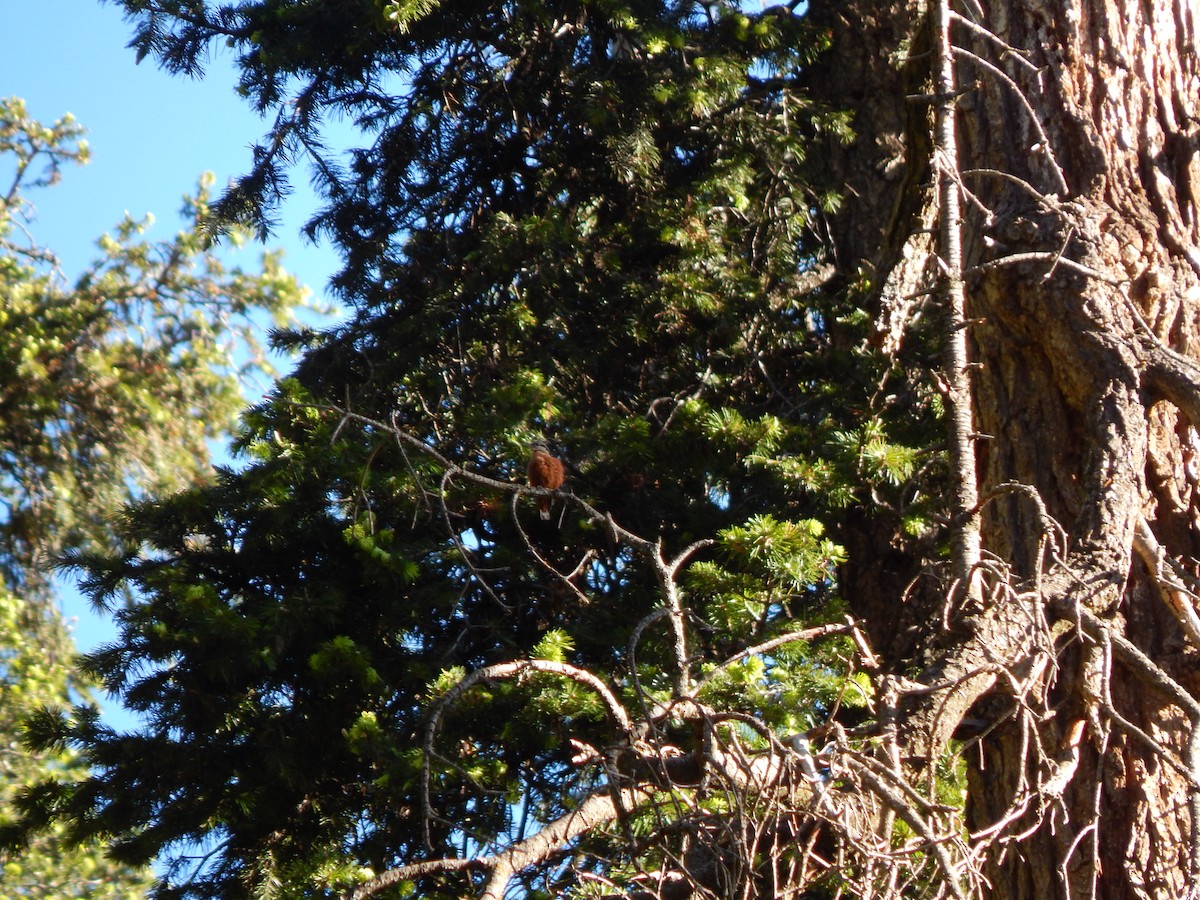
{"points": [[509, 670], [595, 810]]}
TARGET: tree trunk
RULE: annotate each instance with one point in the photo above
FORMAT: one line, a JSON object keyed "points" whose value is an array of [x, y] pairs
{"points": [[1077, 156]]}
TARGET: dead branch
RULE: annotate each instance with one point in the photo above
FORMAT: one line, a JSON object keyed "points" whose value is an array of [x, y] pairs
{"points": [[934, 842], [566, 579], [1174, 594], [1043, 146], [652, 551], [1153, 675], [592, 812], [1008, 50], [1130, 656], [958, 394], [496, 673], [1045, 256]]}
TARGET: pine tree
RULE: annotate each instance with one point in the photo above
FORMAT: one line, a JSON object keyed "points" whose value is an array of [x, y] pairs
{"points": [[864, 340]]}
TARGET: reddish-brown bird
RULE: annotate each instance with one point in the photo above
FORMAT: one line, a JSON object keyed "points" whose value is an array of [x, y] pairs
{"points": [[545, 471]]}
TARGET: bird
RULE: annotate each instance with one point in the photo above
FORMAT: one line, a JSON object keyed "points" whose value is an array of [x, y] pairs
{"points": [[545, 471]]}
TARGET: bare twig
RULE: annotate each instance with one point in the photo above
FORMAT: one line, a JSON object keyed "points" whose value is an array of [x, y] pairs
{"points": [[1045, 256], [1043, 147], [595, 810], [1010, 52]]}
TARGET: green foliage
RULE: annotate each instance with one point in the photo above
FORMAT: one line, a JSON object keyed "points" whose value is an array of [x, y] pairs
{"points": [[35, 673], [116, 383], [554, 646], [794, 554], [110, 387], [591, 224]]}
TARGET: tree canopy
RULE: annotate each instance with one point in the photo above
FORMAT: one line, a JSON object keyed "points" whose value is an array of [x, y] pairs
{"points": [[818, 609], [112, 384], [111, 387]]}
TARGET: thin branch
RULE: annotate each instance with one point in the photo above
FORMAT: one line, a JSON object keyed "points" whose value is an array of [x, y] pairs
{"points": [[1130, 656], [634, 640], [808, 634], [414, 870], [904, 809], [588, 556], [1043, 145], [1046, 256], [463, 552], [595, 810], [516, 669], [1039, 196], [665, 572], [1009, 50], [1052, 530]]}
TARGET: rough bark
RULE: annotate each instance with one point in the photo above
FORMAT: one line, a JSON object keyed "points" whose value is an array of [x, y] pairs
{"points": [[1078, 153]]}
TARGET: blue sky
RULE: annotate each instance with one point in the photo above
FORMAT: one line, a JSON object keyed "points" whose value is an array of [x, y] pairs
{"points": [[151, 136]]}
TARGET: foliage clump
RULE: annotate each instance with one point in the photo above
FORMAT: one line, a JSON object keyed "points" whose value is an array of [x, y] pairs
{"points": [[112, 386], [358, 657]]}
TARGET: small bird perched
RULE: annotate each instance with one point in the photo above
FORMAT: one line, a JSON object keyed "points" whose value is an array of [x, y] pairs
{"points": [[545, 471]]}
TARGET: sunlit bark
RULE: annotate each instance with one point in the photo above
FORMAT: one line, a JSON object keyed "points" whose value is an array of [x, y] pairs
{"points": [[1077, 154]]}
